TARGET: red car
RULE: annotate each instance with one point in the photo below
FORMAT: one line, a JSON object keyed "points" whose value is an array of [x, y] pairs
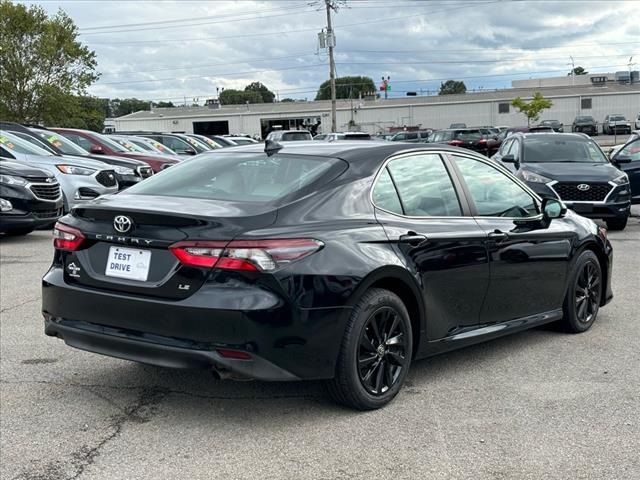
{"points": [[101, 144]]}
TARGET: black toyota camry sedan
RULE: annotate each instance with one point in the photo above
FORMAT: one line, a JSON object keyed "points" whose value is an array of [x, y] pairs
{"points": [[341, 261]]}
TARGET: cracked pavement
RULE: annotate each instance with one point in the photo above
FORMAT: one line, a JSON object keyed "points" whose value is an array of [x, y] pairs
{"points": [[539, 404]]}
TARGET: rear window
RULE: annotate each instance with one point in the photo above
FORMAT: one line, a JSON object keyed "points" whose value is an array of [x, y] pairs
{"points": [[241, 177], [295, 136], [468, 135]]}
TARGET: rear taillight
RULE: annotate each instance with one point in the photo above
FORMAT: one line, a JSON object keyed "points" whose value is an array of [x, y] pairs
{"points": [[456, 143], [245, 255], [67, 238]]}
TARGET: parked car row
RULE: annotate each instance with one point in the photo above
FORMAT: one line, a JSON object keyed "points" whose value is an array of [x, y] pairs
{"points": [[74, 166]]}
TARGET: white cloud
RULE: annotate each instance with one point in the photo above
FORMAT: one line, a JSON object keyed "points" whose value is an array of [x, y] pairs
{"points": [[493, 41]]}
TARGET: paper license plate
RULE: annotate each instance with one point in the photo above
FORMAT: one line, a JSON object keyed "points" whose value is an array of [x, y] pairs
{"points": [[129, 263]]}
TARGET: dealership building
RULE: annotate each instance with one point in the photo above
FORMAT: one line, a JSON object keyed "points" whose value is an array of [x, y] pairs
{"points": [[595, 95]]}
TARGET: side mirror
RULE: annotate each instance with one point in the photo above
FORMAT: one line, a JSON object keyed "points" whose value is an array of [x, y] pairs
{"points": [[97, 149], [618, 159], [553, 208]]}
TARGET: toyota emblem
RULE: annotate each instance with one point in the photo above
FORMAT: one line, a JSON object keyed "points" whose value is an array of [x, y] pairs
{"points": [[583, 187], [122, 224]]}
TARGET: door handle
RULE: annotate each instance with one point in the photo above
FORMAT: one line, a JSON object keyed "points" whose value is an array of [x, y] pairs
{"points": [[413, 239], [498, 235]]}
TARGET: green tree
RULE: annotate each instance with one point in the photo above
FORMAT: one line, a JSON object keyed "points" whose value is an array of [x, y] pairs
{"points": [[266, 94], [164, 105], [577, 71], [346, 87], [230, 96], [533, 108], [43, 65], [126, 106], [451, 87]]}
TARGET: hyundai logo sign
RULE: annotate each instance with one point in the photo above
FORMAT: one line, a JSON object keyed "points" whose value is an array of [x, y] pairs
{"points": [[583, 187]]}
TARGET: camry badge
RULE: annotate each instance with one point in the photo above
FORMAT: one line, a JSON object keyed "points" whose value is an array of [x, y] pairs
{"points": [[583, 187], [122, 224]]}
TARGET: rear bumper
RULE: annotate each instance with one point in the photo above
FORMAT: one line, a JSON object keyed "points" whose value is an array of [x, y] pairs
{"points": [[285, 342], [166, 353]]}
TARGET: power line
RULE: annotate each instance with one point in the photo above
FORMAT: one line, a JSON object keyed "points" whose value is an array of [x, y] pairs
{"points": [[424, 62], [302, 90], [179, 20], [208, 22], [298, 67], [283, 32]]}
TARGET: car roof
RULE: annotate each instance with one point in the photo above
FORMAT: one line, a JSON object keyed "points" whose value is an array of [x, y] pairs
{"points": [[351, 151], [554, 136]]}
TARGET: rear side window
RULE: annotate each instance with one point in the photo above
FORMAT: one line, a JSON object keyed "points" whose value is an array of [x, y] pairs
{"points": [[385, 195], [241, 177], [424, 186]]}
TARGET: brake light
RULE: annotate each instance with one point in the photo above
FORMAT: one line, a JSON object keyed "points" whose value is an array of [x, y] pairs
{"points": [[234, 354], [67, 238], [456, 143], [245, 255]]}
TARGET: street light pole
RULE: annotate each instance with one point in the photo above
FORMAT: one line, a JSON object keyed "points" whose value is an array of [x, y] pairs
{"points": [[332, 64]]}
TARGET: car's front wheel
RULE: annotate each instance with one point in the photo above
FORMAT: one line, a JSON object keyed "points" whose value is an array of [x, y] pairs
{"points": [[375, 354], [582, 302]]}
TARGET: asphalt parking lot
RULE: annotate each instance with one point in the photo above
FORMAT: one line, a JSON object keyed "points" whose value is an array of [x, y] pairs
{"points": [[540, 404]]}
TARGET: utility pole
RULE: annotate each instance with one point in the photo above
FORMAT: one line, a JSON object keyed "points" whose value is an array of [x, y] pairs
{"points": [[573, 71], [332, 64]]}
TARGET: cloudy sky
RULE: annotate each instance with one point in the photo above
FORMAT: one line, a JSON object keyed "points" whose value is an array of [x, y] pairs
{"points": [[169, 50]]}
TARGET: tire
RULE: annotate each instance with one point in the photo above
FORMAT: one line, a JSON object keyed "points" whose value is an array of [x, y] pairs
{"points": [[368, 376], [617, 223], [582, 300], [16, 232]]}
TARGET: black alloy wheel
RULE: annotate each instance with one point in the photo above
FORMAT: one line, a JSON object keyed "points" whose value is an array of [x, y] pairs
{"points": [[375, 353], [584, 295], [382, 353], [587, 293]]}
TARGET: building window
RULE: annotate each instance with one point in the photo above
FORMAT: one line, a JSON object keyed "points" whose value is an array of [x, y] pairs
{"points": [[585, 103], [503, 108]]}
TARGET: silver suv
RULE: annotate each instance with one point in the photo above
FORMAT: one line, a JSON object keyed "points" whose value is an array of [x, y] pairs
{"points": [[615, 123], [81, 180]]}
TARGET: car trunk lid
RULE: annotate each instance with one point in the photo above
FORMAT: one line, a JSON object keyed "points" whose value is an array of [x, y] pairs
{"points": [[127, 240]]}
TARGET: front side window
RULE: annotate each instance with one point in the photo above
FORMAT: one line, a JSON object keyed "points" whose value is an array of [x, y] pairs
{"points": [[494, 193], [504, 148], [424, 186], [631, 150], [78, 140], [176, 144]]}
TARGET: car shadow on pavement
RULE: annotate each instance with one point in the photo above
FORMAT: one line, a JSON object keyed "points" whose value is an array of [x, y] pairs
{"points": [[196, 392]]}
